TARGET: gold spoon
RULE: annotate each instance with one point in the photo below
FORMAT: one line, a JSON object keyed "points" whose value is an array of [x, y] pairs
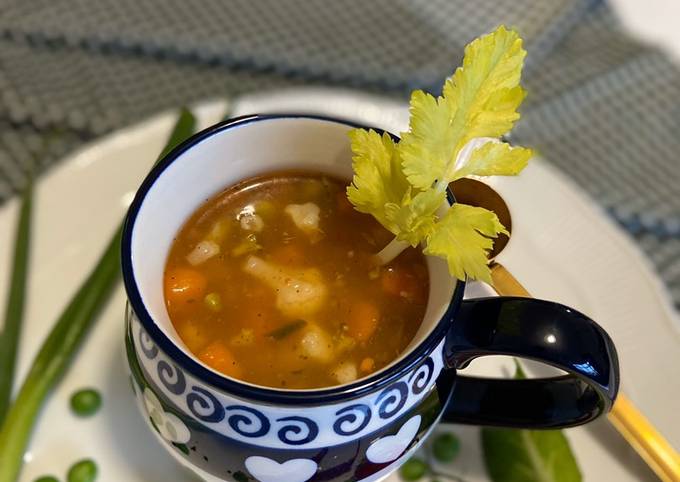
{"points": [[626, 418]]}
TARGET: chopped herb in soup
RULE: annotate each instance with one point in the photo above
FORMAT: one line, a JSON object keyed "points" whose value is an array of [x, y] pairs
{"points": [[273, 282]]}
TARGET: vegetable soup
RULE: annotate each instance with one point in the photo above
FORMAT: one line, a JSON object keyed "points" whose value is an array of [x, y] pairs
{"points": [[274, 282]]}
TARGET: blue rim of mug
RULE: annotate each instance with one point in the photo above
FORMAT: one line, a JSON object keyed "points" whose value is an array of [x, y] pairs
{"points": [[379, 380]]}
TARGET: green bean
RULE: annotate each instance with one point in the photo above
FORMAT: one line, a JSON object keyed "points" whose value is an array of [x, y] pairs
{"points": [[86, 402], [46, 478], [53, 358], [82, 471], [61, 343], [9, 338]]}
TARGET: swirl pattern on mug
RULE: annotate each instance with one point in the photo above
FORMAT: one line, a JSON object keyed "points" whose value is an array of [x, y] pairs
{"points": [[299, 431], [420, 378], [392, 399], [171, 377], [352, 420], [204, 406], [147, 345], [274, 426], [251, 423]]}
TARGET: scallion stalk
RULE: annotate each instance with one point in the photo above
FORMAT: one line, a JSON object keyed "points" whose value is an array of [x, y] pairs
{"points": [[62, 342], [11, 329]]}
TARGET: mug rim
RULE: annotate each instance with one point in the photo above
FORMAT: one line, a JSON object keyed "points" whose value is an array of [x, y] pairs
{"points": [[380, 379]]}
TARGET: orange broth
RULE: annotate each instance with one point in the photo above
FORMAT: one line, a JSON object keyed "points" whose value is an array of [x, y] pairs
{"points": [[291, 297]]}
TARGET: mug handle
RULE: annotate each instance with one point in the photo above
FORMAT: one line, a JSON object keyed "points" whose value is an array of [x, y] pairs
{"points": [[540, 330]]}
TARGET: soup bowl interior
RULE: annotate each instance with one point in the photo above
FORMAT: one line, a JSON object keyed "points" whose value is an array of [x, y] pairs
{"points": [[221, 157]]}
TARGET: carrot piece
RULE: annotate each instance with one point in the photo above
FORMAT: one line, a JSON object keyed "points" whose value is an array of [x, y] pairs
{"points": [[393, 281], [184, 285], [402, 283], [367, 365], [363, 320], [217, 356]]}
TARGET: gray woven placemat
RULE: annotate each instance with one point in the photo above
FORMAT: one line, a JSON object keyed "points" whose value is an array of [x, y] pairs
{"points": [[602, 107]]}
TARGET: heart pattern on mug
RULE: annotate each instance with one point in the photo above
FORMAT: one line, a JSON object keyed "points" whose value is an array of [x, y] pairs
{"points": [[268, 470], [389, 448]]}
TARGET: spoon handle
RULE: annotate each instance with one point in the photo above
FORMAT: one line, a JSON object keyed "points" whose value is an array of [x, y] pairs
{"points": [[645, 439], [504, 283], [624, 416]]}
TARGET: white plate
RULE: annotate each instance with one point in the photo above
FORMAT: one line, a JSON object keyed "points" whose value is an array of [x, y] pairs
{"points": [[563, 248]]}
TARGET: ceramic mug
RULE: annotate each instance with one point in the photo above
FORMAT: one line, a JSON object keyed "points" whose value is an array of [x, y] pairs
{"points": [[225, 429]]}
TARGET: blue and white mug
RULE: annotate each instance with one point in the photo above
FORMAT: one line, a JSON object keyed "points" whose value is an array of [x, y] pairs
{"points": [[226, 429]]}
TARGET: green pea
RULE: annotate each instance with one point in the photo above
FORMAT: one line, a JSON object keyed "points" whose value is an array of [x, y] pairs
{"points": [[445, 447], [413, 469], [46, 478], [82, 471], [86, 402], [265, 208], [213, 301]]}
